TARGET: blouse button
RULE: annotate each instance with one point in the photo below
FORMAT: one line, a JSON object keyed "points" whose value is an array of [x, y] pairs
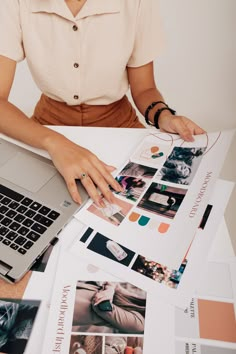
{"points": [[76, 97], [75, 28], [76, 65]]}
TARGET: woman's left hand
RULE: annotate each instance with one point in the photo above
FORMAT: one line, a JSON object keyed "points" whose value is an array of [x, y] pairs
{"points": [[181, 125]]}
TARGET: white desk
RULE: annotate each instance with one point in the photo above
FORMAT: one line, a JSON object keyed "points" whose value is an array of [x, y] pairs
{"points": [[113, 146]]}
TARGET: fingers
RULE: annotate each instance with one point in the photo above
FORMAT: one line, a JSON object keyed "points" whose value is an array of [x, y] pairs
{"points": [[183, 130], [187, 128], [96, 182], [103, 180], [109, 167], [73, 190], [183, 126], [97, 299]]}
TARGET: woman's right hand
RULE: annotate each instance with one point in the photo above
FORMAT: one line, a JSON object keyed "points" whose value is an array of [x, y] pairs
{"points": [[75, 162]]}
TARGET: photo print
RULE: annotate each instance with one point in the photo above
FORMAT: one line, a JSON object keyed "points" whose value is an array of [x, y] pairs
{"points": [[108, 307], [181, 165], [112, 213], [125, 345], [162, 200], [158, 272], [16, 323], [83, 344], [111, 249], [134, 178]]}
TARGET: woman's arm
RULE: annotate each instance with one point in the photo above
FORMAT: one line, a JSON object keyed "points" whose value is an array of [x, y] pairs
{"points": [[70, 159], [123, 320], [106, 293], [144, 92], [126, 321]]}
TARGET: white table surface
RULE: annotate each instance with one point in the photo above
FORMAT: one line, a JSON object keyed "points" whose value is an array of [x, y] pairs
{"points": [[114, 146]]}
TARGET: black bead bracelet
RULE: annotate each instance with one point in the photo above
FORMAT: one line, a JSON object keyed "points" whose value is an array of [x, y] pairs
{"points": [[151, 106], [157, 115]]}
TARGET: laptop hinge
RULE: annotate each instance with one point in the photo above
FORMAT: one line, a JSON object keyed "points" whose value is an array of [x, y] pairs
{"points": [[4, 268]]}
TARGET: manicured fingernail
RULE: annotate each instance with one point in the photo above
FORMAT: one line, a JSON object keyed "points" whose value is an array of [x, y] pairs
{"points": [[101, 203], [78, 201], [189, 138]]}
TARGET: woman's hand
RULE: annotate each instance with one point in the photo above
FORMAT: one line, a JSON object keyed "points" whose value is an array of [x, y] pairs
{"points": [[75, 162], [183, 126], [103, 295]]}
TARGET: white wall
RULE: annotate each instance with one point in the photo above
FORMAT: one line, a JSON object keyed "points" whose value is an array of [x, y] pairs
{"points": [[196, 72]]}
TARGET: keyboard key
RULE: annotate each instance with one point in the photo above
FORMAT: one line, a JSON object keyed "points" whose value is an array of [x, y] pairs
{"points": [[11, 235], [14, 226], [43, 220], [26, 201], [1, 217], [10, 193], [6, 242], [3, 230], [28, 222], [28, 245], [6, 222], [44, 210], [30, 213], [35, 206], [14, 246], [13, 205], [3, 209], [23, 231], [22, 251], [11, 214], [5, 201], [20, 240], [38, 228], [21, 209], [19, 218], [33, 236], [53, 215]]}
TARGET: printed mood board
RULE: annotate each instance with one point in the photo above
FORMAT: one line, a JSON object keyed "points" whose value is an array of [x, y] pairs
{"points": [[167, 184]]}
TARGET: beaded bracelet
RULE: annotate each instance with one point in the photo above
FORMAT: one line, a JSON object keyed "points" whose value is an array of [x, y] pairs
{"points": [[153, 104], [158, 112]]}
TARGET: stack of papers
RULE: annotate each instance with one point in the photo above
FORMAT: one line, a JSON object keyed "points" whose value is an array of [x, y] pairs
{"points": [[149, 258]]}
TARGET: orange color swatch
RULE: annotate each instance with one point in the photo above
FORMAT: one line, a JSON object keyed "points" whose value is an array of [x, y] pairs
{"points": [[217, 320], [163, 228], [134, 216]]}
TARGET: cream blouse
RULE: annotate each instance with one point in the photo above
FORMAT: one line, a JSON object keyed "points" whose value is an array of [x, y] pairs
{"points": [[81, 59]]}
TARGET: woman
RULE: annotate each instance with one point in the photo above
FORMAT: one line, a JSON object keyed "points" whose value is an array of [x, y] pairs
{"points": [[175, 171], [109, 305], [83, 56]]}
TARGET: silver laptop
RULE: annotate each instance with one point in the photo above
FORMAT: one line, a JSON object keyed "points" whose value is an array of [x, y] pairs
{"points": [[35, 205]]}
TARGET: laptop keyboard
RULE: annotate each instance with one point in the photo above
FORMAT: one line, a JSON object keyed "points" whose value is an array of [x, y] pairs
{"points": [[22, 220]]}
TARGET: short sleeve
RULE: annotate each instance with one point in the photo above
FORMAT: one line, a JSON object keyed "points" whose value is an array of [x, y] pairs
{"points": [[10, 30], [148, 41]]}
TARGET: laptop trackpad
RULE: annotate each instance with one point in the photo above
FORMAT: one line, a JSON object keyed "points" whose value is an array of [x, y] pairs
{"points": [[27, 172]]}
